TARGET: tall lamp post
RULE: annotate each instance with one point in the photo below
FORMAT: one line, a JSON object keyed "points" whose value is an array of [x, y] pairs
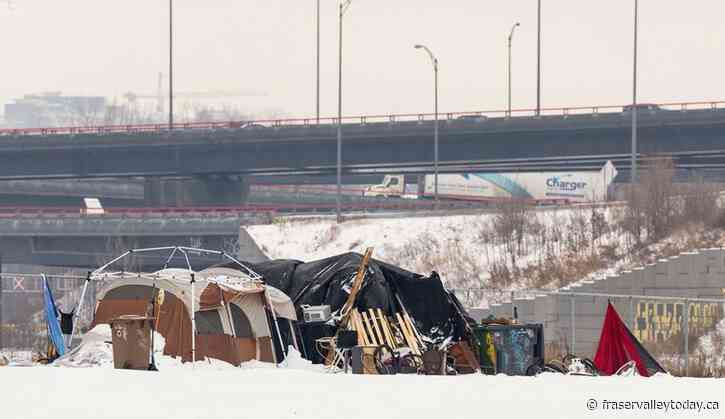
{"points": [[511, 37], [171, 64], [434, 61], [538, 59], [317, 103], [634, 101], [344, 5]]}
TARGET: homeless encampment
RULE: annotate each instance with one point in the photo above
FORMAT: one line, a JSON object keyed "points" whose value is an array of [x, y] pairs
{"points": [[231, 311], [436, 312]]}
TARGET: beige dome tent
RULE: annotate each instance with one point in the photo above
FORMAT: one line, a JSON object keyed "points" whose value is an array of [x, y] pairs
{"points": [[230, 306]]}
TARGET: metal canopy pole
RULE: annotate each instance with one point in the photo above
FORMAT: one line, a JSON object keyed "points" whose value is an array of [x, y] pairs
{"points": [[276, 323], [79, 308], [193, 323]]}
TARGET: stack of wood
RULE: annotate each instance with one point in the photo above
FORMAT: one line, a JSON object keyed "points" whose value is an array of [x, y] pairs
{"points": [[374, 328]]}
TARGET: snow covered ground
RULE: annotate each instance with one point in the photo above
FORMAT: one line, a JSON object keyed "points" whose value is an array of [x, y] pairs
{"points": [[271, 393], [459, 247], [85, 385]]}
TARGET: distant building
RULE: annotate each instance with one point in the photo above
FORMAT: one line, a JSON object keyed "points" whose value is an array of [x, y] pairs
{"points": [[51, 109]]}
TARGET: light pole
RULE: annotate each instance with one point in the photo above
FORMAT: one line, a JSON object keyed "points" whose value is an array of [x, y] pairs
{"points": [[171, 64], [344, 5], [511, 37], [318, 63], [434, 60], [538, 59], [634, 101]]}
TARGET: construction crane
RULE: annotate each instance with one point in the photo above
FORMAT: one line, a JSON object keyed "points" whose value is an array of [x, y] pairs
{"points": [[161, 94]]}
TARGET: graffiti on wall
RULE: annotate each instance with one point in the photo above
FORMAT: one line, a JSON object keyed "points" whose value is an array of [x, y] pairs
{"points": [[657, 321]]}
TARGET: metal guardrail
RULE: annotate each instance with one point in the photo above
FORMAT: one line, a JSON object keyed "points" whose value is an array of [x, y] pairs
{"points": [[360, 119], [412, 205]]}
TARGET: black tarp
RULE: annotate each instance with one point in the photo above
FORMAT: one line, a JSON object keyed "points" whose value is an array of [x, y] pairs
{"points": [[435, 311]]}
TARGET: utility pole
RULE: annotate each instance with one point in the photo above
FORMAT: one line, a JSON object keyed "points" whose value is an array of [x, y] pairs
{"points": [[343, 8], [318, 63], [538, 60], [511, 36], [434, 61], [171, 64], [633, 171]]}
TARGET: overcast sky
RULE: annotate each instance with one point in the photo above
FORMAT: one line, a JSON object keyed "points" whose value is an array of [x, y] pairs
{"points": [[109, 47]]}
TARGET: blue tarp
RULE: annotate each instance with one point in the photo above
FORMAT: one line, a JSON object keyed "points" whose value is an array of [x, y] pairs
{"points": [[51, 314]]}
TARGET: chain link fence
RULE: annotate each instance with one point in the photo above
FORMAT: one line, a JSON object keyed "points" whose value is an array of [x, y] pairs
{"points": [[22, 315], [670, 327]]}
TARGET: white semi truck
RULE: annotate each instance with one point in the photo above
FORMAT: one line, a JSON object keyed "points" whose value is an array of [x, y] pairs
{"points": [[540, 187]]}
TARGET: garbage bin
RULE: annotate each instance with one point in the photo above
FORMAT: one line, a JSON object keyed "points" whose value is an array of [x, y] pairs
{"points": [[131, 338]]}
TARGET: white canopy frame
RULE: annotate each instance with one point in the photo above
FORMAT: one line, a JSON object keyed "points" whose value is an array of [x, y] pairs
{"points": [[101, 274]]}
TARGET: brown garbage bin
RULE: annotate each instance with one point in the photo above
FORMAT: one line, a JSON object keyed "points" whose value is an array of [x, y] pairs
{"points": [[131, 338]]}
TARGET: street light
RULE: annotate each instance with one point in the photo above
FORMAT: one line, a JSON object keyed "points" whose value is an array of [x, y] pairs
{"points": [[318, 63], [434, 60], [538, 59], [511, 36], [633, 171], [171, 64], [344, 5]]}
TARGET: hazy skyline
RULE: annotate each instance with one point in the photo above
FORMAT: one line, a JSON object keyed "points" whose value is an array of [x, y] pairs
{"points": [[107, 48]]}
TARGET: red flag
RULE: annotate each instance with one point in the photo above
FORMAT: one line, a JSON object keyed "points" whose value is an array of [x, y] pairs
{"points": [[617, 346]]}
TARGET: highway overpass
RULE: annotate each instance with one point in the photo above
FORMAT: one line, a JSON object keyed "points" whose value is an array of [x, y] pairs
{"points": [[67, 239], [216, 157]]}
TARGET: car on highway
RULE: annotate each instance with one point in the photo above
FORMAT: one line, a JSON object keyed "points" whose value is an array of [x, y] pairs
{"points": [[473, 118], [642, 108]]}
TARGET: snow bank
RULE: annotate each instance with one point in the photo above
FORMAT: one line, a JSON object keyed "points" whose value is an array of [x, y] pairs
{"points": [[182, 393]]}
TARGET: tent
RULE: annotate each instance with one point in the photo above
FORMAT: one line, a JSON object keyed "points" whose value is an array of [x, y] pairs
{"points": [[617, 346], [436, 312], [234, 313]]}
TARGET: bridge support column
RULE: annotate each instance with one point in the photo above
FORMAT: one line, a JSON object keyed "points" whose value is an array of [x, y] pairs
{"points": [[198, 191], [217, 190]]}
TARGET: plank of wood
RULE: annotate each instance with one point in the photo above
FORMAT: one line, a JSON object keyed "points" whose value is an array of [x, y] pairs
{"points": [[386, 331], [354, 322], [357, 284], [410, 340], [381, 338], [413, 329], [366, 337], [369, 329]]}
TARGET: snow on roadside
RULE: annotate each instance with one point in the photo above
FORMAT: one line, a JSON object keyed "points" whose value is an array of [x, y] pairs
{"points": [[282, 393]]}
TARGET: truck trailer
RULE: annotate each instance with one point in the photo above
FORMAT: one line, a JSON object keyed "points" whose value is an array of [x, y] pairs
{"points": [[537, 187]]}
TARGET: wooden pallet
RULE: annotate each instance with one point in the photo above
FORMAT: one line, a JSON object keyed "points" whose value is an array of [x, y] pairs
{"points": [[375, 328]]}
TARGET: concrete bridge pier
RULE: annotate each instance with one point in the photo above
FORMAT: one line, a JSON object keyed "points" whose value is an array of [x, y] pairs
{"points": [[207, 190]]}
